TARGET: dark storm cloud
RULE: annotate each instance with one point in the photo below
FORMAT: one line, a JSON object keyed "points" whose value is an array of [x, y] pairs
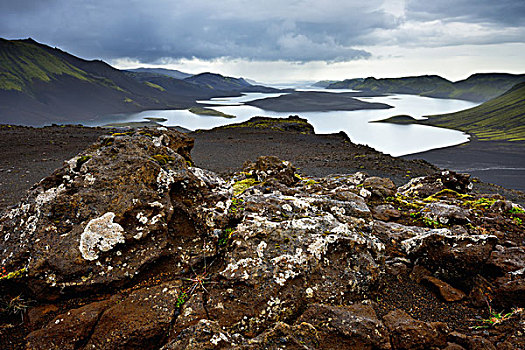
{"points": [[149, 30], [301, 30], [503, 12]]}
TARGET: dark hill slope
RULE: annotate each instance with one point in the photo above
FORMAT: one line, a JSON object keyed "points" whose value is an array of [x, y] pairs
{"points": [[221, 83], [407, 85], [173, 73], [39, 85]]}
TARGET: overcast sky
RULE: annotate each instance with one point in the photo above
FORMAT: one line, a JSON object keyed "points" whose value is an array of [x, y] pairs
{"points": [[282, 40]]}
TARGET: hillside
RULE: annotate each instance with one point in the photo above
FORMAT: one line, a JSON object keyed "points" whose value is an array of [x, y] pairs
{"points": [[219, 82], [41, 85], [173, 73], [500, 119], [478, 87]]}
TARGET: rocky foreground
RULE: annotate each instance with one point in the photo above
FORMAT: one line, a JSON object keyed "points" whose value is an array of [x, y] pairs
{"points": [[130, 246]]}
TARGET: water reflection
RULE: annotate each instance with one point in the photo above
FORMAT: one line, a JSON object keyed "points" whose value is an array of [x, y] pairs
{"points": [[388, 138]]}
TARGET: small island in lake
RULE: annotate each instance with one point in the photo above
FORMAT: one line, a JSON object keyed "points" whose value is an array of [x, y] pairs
{"points": [[209, 112], [314, 101]]}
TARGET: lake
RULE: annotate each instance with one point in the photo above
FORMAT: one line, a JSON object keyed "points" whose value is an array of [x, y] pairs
{"points": [[393, 139]]}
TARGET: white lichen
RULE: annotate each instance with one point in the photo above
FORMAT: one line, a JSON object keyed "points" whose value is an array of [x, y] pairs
{"points": [[100, 234]]}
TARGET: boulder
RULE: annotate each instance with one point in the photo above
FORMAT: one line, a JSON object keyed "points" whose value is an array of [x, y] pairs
{"points": [[454, 258], [385, 212], [423, 187], [351, 327], [506, 259], [69, 330], [445, 214], [270, 167], [409, 333], [445, 290], [380, 187], [108, 213]]}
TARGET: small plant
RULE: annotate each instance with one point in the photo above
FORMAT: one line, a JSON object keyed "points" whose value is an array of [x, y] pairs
{"points": [[10, 275], [496, 318], [431, 223], [516, 210], [181, 299], [517, 221], [482, 203], [225, 238], [14, 306], [198, 280], [236, 205]]}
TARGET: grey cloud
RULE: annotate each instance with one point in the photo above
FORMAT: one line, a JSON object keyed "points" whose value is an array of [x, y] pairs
{"points": [[503, 12], [149, 30], [300, 30]]}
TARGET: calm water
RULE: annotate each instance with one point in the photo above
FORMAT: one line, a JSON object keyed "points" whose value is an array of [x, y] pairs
{"points": [[393, 139]]}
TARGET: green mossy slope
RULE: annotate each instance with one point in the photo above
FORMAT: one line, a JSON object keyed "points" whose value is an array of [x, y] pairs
{"points": [[500, 119], [22, 62]]}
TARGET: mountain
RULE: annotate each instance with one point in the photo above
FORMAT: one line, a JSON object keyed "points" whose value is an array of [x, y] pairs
{"points": [[41, 85], [161, 71], [324, 83], [478, 87], [219, 82], [502, 118], [406, 85]]}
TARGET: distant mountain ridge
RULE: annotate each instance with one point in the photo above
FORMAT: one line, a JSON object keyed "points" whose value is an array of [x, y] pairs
{"points": [[162, 71], [478, 87], [41, 85]]}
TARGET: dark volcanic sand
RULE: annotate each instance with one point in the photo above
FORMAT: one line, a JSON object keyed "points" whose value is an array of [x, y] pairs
{"points": [[226, 150], [501, 163], [29, 154]]}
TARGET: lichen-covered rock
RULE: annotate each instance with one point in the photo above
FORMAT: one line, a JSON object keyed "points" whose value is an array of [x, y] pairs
{"points": [[130, 246], [107, 213], [289, 251], [270, 167], [205, 334], [423, 187], [454, 258], [283, 336], [445, 213]]}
